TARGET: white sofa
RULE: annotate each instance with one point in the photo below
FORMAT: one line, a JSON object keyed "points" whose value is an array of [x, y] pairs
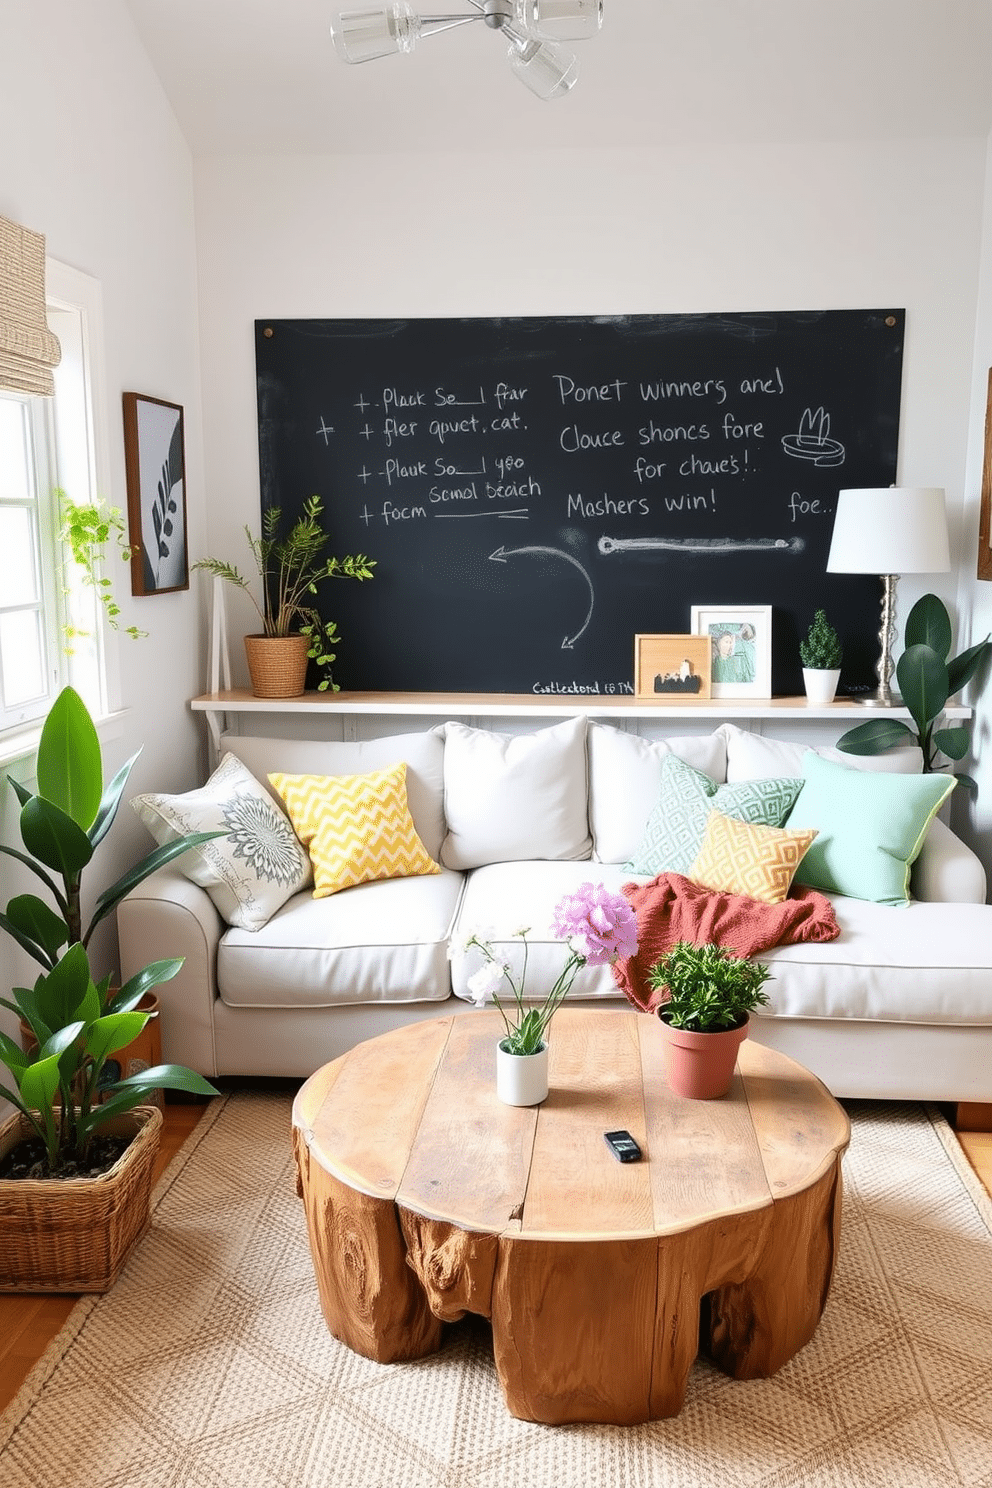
{"points": [[898, 1007]]}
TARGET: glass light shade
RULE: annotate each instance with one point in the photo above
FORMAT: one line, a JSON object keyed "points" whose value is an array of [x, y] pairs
{"points": [[363, 35], [548, 70], [560, 20]]}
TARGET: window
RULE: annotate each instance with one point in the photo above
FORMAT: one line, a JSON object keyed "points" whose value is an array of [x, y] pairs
{"points": [[51, 627]]}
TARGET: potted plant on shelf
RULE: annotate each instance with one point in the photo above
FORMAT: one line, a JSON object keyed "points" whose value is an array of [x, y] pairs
{"points": [[76, 1174], [821, 654], [710, 994], [599, 927], [927, 680], [290, 568]]}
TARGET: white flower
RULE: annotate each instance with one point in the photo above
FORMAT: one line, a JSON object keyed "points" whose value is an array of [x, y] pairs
{"points": [[484, 982]]}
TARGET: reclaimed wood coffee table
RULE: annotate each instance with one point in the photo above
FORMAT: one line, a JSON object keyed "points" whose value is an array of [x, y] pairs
{"points": [[426, 1198]]}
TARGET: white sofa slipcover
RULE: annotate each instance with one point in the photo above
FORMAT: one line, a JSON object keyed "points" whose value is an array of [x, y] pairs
{"points": [[899, 1007]]}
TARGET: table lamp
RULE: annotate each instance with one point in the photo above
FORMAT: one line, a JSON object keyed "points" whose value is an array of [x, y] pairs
{"points": [[889, 531]]}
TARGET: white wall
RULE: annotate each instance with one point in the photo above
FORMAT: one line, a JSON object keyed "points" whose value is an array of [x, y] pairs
{"points": [[715, 227], [91, 156]]}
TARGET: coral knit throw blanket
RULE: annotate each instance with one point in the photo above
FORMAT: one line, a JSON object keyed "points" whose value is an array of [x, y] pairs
{"points": [[671, 908]]}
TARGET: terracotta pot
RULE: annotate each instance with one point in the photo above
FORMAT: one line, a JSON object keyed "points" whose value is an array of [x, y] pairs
{"points": [[74, 1235], [277, 664], [522, 1079], [700, 1066], [821, 686]]}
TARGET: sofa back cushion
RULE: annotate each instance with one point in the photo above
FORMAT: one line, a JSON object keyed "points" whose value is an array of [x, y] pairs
{"points": [[514, 797], [753, 757], [422, 753], [625, 778]]}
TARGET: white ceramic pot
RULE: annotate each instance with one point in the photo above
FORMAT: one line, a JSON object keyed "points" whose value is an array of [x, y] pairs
{"points": [[820, 686], [522, 1079]]}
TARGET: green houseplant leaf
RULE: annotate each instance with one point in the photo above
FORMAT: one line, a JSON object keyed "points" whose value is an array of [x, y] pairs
{"points": [[876, 736], [70, 770], [922, 677], [928, 624]]}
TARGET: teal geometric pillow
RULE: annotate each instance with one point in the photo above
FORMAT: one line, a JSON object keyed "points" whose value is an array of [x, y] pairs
{"points": [[871, 828], [674, 830]]}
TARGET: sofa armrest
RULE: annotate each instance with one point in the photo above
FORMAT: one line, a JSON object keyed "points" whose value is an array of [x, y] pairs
{"points": [[947, 871], [168, 916]]}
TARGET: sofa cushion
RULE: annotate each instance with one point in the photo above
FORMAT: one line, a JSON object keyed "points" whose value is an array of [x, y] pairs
{"points": [[504, 898], [624, 778], [738, 857], [422, 753], [753, 757], [870, 828], [379, 942], [256, 866], [510, 797], [677, 821], [356, 828], [928, 964]]}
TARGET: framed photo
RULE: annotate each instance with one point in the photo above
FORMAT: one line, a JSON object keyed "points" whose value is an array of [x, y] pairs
{"points": [[155, 462], [671, 668], [740, 641]]}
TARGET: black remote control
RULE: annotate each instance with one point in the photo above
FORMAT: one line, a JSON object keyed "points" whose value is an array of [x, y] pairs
{"points": [[623, 1146]]}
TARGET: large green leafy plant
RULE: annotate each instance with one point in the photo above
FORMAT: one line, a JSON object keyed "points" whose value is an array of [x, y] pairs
{"points": [[709, 988], [290, 567], [928, 677], [76, 1022]]}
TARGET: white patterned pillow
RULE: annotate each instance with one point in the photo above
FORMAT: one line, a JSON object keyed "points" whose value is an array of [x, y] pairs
{"points": [[251, 871], [677, 824]]}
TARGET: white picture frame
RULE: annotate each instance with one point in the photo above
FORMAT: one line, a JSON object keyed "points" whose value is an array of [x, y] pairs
{"points": [[742, 667]]}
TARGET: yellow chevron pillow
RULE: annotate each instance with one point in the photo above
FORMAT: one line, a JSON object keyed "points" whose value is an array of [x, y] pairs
{"points": [[738, 857], [357, 828]]}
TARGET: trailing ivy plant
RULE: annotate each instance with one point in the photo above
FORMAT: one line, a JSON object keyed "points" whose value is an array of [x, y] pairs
{"points": [[928, 677], [89, 528]]}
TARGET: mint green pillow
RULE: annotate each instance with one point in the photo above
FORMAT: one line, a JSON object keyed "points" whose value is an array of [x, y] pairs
{"points": [[870, 828], [674, 831]]}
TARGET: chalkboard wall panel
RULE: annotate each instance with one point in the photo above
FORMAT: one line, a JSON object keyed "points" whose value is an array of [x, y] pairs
{"points": [[537, 491]]}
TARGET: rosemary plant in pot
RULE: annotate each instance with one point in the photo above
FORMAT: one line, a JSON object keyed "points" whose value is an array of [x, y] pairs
{"points": [[290, 566], [709, 996], [598, 928], [821, 654], [73, 1207]]}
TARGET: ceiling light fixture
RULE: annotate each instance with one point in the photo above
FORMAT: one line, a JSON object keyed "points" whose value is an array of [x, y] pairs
{"points": [[533, 29]]}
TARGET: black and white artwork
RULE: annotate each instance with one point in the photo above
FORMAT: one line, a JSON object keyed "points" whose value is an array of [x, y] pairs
{"points": [[156, 494]]}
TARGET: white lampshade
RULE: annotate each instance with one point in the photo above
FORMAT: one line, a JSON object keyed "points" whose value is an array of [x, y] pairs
{"points": [[890, 530]]}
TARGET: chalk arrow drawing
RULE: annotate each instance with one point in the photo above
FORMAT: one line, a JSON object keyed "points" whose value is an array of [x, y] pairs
{"points": [[712, 546], [502, 554]]}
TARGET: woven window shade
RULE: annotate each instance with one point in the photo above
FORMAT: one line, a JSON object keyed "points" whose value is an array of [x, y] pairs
{"points": [[28, 350]]}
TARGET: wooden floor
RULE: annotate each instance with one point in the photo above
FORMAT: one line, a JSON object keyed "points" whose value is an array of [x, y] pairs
{"points": [[29, 1323]]}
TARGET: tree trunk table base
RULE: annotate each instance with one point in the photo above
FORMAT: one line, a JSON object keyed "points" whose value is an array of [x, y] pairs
{"points": [[427, 1198]]}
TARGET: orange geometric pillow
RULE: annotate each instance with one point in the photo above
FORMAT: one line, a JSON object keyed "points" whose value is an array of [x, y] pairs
{"points": [[736, 857]]}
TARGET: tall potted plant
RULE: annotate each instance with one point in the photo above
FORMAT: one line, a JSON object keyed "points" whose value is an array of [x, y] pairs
{"points": [[60, 1230], [710, 994], [290, 567]]}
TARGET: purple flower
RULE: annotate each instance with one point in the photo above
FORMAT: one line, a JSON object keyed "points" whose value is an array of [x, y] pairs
{"points": [[599, 926]]}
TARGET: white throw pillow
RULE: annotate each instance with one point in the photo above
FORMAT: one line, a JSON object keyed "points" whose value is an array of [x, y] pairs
{"points": [[513, 797], [753, 757], [251, 871], [625, 777]]}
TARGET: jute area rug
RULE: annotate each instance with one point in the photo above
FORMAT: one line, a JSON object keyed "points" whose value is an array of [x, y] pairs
{"points": [[209, 1364]]}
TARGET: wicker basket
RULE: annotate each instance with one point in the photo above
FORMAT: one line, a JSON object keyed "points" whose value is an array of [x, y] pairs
{"points": [[278, 664], [74, 1236]]}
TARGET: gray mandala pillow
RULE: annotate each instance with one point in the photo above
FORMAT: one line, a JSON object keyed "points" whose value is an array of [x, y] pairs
{"points": [[251, 871]]}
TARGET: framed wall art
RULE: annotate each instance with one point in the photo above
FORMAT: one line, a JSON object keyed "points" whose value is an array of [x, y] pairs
{"points": [[155, 463], [671, 668], [740, 641]]}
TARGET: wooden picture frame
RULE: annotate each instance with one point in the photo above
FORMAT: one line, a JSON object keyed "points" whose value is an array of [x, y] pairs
{"points": [[671, 668], [155, 464], [985, 511], [740, 641]]}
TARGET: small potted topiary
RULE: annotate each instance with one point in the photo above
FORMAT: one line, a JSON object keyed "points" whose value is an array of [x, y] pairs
{"points": [[709, 994], [821, 654]]}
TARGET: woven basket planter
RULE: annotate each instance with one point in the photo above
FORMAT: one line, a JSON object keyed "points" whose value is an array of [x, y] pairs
{"points": [[74, 1236], [277, 664]]}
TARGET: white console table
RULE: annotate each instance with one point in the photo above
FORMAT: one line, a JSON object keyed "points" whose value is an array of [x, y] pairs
{"points": [[350, 715]]}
